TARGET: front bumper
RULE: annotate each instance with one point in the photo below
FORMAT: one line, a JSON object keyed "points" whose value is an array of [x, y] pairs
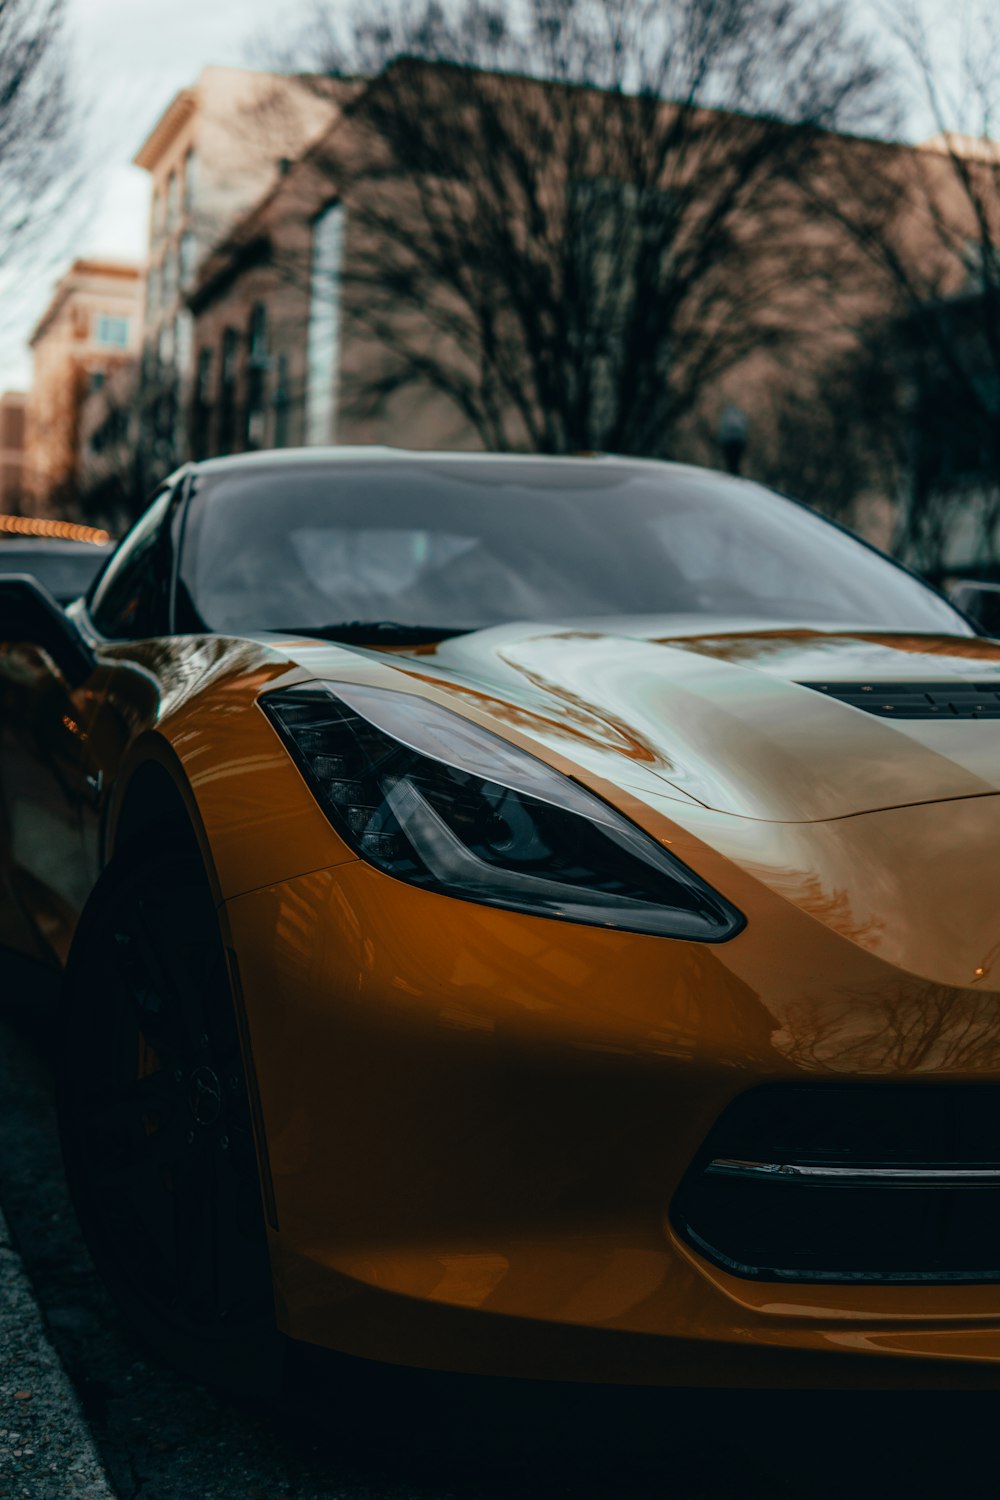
{"points": [[476, 1123]]}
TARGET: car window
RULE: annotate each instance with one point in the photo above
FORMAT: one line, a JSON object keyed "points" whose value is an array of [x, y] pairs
{"points": [[736, 568], [342, 561], [461, 544], [131, 600]]}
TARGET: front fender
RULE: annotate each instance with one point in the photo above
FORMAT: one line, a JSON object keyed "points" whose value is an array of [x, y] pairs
{"points": [[255, 819]]}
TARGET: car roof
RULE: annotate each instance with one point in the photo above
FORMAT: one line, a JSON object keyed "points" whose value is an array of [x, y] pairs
{"points": [[291, 458]]}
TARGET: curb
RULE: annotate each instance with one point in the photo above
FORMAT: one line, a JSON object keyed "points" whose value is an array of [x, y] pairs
{"points": [[46, 1450]]}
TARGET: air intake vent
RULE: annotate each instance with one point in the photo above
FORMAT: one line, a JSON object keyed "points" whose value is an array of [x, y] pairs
{"points": [[882, 1183], [917, 700]]}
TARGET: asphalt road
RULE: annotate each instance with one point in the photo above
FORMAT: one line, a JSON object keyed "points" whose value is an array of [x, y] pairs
{"points": [[431, 1438]]}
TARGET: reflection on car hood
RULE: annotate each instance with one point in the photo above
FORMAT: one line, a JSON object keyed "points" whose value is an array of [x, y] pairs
{"points": [[722, 719]]}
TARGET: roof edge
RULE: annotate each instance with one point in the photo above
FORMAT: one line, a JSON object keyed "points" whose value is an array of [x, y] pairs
{"points": [[176, 115]]}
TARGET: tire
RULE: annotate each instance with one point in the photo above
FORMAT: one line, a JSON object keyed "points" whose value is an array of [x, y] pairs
{"points": [[156, 1128]]}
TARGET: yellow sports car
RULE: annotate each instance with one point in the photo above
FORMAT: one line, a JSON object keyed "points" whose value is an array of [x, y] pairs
{"points": [[522, 916]]}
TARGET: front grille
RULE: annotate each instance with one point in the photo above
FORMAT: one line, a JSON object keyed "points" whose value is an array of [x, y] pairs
{"points": [[916, 700], [857, 1183]]}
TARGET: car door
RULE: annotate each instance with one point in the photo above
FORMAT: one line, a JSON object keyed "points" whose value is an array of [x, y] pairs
{"points": [[52, 764], [126, 617]]}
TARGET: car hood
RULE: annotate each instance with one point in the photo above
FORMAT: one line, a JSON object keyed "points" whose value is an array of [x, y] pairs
{"points": [[720, 719]]}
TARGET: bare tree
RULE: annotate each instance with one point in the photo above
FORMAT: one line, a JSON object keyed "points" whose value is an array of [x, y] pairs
{"points": [[36, 125], [834, 433], [573, 222], [954, 321], [928, 221]]}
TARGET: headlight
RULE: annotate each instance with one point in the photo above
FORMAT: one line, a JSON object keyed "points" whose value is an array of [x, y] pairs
{"points": [[427, 796]]}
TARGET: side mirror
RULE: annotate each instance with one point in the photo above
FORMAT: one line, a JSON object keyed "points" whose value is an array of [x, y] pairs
{"points": [[28, 613], [980, 601]]}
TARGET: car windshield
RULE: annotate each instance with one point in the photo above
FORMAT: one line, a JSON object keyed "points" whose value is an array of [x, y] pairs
{"points": [[453, 544]]}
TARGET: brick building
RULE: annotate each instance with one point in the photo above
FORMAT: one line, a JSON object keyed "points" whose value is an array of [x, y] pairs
{"points": [[214, 152], [251, 338], [278, 346], [90, 327], [270, 343]]}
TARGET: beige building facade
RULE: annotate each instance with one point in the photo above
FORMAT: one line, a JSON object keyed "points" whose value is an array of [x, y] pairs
{"points": [[274, 349], [217, 149], [91, 326]]}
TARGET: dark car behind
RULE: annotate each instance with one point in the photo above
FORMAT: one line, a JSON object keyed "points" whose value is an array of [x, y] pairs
{"points": [[65, 568]]}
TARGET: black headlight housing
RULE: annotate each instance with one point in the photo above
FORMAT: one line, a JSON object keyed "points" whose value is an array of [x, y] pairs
{"points": [[429, 797]]}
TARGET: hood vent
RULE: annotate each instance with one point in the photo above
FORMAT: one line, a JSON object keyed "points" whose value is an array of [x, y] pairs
{"points": [[917, 700]]}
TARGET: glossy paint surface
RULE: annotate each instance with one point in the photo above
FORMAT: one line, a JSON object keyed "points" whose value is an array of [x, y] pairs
{"points": [[725, 722], [475, 1120], [516, 1102]]}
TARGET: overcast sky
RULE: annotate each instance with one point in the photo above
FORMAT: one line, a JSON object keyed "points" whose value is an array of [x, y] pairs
{"points": [[132, 56]]}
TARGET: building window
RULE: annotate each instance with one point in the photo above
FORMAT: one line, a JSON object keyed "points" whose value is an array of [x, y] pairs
{"points": [[171, 201], [165, 346], [152, 289], [169, 283], [202, 412], [258, 335], [227, 390], [230, 344], [190, 181], [203, 382], [111, 333], [182, 341], [188, 254], [256, 411], [281, 402], [323, 336]]}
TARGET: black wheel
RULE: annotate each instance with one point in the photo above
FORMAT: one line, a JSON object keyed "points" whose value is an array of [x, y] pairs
{"points": [[156, 1125]]}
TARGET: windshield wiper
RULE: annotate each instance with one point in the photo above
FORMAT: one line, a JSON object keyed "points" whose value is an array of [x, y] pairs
{"points": [[380, 632]]}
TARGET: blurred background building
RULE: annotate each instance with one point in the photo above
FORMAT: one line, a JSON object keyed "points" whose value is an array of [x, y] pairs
{"points": [[282, 304], [12, 425], [218, 147], [91, 327]]}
